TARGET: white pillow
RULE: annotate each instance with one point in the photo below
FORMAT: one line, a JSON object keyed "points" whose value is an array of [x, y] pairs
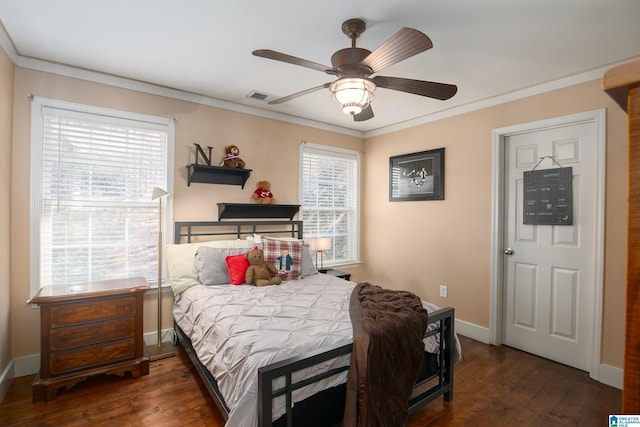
{"points": [[181, 261]]}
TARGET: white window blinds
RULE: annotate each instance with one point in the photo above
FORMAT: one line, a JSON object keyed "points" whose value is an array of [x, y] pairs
{"points": [[330, 200], [96, 174]]}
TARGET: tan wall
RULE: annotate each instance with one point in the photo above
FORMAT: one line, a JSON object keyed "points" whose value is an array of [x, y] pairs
{"points": [[6, 127], [269, 147], [426, 244], [449, 240]]}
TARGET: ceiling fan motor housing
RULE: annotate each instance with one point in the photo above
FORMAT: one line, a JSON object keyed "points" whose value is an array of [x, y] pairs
{"points": [[346, 61]]}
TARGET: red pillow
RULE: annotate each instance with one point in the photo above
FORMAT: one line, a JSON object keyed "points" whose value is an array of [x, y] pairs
{"points": [[237, 266]]}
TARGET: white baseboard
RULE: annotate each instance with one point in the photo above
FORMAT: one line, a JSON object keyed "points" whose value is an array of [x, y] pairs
{"points": [[611, 376], [151, 338], [472, 331], [5, 380], [27, 365]]}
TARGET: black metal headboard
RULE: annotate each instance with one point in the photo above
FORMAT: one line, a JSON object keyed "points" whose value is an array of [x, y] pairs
{"points": [[187, 231]]}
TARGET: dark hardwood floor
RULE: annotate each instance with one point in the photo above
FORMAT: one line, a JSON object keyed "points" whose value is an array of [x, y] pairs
{"points": [[493, 386]]}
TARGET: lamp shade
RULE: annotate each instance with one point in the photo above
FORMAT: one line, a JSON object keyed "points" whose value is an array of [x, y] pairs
{"points": [[353, 94], [158, 193], [320, 244]]}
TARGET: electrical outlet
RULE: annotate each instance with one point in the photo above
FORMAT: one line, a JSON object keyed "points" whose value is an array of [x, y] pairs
{"points": [[443, 291]]}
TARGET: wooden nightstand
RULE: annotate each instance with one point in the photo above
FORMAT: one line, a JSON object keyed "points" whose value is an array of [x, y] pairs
{"points": [[89, 329], [337, 273]]}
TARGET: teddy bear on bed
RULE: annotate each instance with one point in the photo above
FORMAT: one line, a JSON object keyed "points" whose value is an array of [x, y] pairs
{"points": [[259, 272], [232, 157], [263, 194]]}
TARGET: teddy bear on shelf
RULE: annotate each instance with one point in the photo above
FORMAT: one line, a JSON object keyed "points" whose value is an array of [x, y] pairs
{"points": [[263, 194], [232, 157], [260, 272]]}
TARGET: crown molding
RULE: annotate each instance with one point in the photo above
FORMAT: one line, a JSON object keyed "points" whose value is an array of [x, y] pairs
{"points": [[550, 86], [139, 86], [7, 44]]}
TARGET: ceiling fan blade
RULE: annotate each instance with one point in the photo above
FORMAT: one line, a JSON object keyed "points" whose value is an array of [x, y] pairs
{"points": [[297, 94], [283, 57], [442, 91], [365, 114], [402, 45]]}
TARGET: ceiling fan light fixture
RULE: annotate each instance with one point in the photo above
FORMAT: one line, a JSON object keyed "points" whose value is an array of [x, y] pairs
{"points": [[353, 94]]}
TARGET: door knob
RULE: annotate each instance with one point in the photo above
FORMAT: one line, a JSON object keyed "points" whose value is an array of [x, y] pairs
{"points": [[508, 251]]}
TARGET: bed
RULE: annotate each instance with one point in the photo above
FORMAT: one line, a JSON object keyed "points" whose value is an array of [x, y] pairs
{"points": [[278, 355]]}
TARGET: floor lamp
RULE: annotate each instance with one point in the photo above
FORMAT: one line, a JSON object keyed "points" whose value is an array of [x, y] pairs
{"points": [[160, 350]]}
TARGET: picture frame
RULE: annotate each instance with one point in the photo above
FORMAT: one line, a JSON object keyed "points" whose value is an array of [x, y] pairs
{"points": [[417, 176]]}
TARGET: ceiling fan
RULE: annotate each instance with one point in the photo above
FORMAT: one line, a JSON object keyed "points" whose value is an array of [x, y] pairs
{"points": [[357, 69]]}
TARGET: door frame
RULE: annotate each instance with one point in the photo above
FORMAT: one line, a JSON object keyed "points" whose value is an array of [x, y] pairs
{"points": [[598, 117]]}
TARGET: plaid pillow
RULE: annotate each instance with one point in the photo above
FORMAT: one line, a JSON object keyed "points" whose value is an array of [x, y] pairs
{"points": [[285, 255]]}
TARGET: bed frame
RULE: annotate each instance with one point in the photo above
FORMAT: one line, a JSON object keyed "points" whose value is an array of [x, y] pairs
{"points": [[435, 379]]}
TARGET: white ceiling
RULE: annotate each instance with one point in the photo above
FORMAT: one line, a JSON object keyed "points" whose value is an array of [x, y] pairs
{"points": [[488, 48]]}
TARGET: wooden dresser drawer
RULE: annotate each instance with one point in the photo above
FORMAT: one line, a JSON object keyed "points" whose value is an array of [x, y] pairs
{"points": [[92, 333], [88, 357], [89, 329], [98, 310]]}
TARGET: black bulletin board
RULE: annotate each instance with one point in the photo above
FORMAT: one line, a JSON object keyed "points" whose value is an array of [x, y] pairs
{"points": [[548, 197]]}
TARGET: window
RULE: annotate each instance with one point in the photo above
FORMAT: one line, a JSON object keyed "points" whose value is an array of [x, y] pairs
{"points": [[329, 186], [92, 173]]}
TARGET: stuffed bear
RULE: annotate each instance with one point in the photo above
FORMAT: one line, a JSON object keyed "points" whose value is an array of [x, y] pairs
{"points": [[259, 271], [232, 157], [263, 194]]}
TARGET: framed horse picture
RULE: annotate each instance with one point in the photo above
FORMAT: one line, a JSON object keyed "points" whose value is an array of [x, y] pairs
{"points": [[417, 176]]}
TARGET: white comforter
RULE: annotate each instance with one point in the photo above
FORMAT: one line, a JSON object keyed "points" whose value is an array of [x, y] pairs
{"points": [[237, 329]]}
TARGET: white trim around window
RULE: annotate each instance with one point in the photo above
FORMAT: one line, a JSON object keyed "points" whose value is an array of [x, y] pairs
{"points": [[96, 165], [330, 199]]}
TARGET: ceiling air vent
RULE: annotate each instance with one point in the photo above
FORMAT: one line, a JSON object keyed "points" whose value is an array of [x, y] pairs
{"points": [[257, 95]]}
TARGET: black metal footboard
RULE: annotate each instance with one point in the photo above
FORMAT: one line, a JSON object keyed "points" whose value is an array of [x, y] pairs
{"points": [[446, 356], [439, 382]]}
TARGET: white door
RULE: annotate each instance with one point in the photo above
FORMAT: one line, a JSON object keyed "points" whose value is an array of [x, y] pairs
{"points": [[550, 271]]}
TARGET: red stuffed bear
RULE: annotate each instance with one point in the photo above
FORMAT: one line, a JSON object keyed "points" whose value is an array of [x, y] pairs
{"points": [[263, 194]]}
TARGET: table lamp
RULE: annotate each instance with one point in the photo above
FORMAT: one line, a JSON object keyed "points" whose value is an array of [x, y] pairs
{"points": [[320, 244]]}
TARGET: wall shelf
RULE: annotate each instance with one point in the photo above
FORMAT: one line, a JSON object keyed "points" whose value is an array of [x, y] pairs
{"points": [[217, 175], [255, 210]]}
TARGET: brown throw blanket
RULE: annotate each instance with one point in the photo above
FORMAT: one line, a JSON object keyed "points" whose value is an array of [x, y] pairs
{"points": [[388, 327]]}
